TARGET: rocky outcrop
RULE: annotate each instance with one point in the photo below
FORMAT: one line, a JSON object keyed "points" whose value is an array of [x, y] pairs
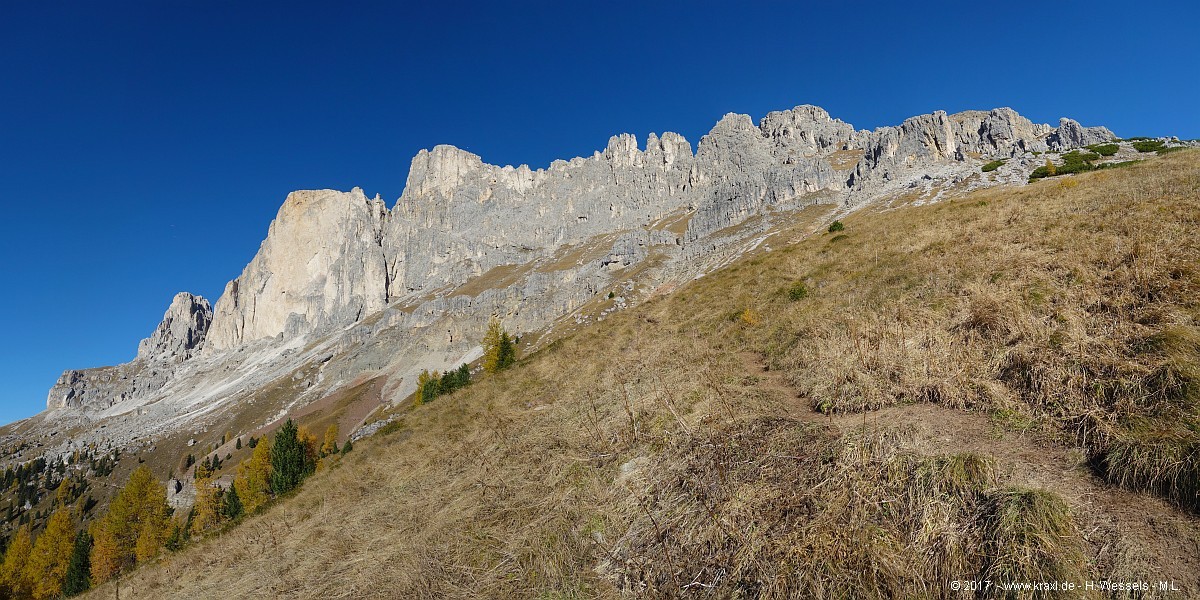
{"points": [[181, 331], [178, 337], [1071, 134]]}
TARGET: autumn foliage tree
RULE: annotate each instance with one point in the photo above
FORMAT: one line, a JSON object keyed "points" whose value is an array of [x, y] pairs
{"points": [[133, 529], [14, 579], [46, 568], [499, 351], [208, 506], [254, 477], [330, 445]]}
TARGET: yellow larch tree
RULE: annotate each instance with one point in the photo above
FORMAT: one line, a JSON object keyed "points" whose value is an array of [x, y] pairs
{"points": [[14, 577], [50, 556], [138, 511], [253, 479], [208, 506], [331, 435]]}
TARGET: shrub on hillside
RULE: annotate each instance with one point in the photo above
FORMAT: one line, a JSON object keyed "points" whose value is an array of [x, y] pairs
{"points": [[1104, 149], [836, 226], [992, 166], [797, 291], [1148, 145]]}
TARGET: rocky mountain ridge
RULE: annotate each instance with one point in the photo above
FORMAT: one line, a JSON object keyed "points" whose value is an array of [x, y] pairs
{"points": [[343, 282]]}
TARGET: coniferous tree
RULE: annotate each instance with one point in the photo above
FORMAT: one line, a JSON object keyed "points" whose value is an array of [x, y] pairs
{"points": [[330, 446], [232, 508], [78, 578], [133, 528], [238, 445], [209, 506], [287, 459], [174, 541], [347, 447], [50, 556], [507, 352], [13, 577], [491, 346], [254, 477]]}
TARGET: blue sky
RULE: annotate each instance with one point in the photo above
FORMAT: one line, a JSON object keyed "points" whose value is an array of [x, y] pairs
{"points": [[145, 146]]}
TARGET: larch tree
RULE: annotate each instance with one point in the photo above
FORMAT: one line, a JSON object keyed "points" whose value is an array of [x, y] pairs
{"points": [[13, 573], [136, 521], [62, 497], [46, 568], [208, 506], [492, 342], [254, 477], [330, 446]]}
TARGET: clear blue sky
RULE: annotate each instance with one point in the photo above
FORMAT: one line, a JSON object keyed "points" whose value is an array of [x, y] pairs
{"points": [[145, 146]]}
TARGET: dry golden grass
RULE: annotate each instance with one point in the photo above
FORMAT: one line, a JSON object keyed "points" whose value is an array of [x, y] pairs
{"points": [[642, 457]]}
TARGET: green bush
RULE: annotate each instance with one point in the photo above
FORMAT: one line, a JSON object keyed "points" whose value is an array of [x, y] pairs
{"points": [[1041, 172], [836, 226], [992, 166], [1171, 149], [1104, 149], [1148, 145], [797, 291]]}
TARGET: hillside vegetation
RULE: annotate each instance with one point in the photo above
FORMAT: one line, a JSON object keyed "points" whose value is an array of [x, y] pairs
{"points": [[1005, 386]]}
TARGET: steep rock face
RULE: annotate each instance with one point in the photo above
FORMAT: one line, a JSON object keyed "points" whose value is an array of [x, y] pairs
{"points": [[459, 217], [321, 266], [741, 167], [181, 331]]}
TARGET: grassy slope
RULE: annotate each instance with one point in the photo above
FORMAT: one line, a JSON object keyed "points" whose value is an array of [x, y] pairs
{"points": [[1015, 349]]}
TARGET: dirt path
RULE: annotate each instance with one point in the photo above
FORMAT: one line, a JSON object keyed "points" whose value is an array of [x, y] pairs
{"points": [[1114, 521]]}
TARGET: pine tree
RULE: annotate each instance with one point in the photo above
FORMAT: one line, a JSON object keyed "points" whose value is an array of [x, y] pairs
{"points": [[13, 572], [254, 477], [330, 446], [232, 508], [51, 554], [424, 387], [287, 459], [347, 447], [507, 352], [78, 578], [238, 445]]}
